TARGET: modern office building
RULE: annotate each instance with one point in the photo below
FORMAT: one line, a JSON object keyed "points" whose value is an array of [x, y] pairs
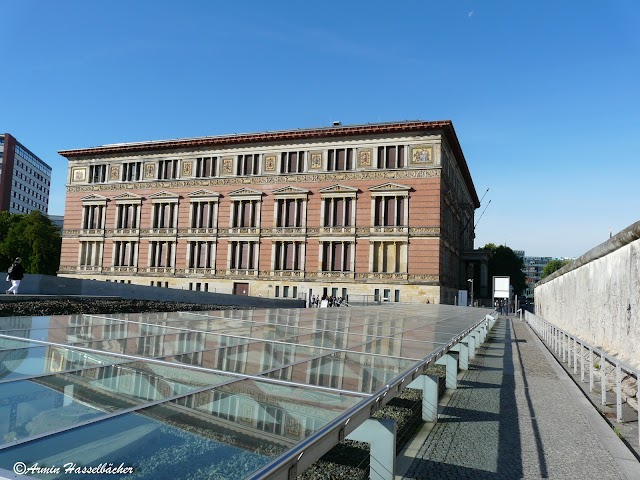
{"points": [[533, 268], [379, 210], [25, 180]]}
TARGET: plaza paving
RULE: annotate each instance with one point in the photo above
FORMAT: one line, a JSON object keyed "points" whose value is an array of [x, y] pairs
{"points": [[517, 414]]}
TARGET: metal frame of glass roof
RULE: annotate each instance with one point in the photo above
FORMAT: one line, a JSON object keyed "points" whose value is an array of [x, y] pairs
{"points": [[259, 393]]}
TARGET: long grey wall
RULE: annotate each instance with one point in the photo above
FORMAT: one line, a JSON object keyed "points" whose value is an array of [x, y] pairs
{"points": [[597, 297], [52, 285]]}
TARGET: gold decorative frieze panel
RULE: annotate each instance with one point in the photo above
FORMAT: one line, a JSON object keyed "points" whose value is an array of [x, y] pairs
{"points": [[114, 172], [424, 278], [198, 231], [123, 232], [287, 273], [421, 155], [389, 230], [200, 271], [149, 170], [270, 162], [365, 156], [157, 270], [124, 269], [243, 273], [90, 268], [387, 276], [315, 160], [284, 231], [78, 175], [227, 166], [424, 231], [336, 275], [242, 231], [163, 231], [90, 232], [187, 168], [337, 230], [265, 180]]}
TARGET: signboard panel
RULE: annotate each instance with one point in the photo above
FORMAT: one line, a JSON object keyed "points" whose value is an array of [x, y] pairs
{"points": [[501, 287], [463, 298]]}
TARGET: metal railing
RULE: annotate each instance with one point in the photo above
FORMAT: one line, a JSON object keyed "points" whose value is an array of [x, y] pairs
{"points": [[573, 350]]}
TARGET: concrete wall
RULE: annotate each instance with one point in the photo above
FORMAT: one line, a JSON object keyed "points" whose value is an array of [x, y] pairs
{"points": [[52, 285], [597, 297]]}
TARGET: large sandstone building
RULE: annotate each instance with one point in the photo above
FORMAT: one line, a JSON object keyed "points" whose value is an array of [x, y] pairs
{"points": [[367, 211]]}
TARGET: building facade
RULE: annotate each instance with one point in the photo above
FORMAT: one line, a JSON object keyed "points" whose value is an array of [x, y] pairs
{"points": [[25, 179], [378, 210]]}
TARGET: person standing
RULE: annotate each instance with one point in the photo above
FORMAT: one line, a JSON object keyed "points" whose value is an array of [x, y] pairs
{"points": [[15, 275]]}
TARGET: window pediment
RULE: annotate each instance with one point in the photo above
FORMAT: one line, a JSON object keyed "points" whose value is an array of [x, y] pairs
{"points": [[200, 195], [389, 188], [127, 197], [246, 192], [338, 191], [94, 199], [291, 192], [164, 196]]}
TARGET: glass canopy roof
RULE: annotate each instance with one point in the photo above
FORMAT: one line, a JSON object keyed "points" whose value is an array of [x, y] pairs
{"points": [[214, 394]]}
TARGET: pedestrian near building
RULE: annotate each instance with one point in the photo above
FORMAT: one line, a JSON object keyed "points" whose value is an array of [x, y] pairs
{"points": [[15, 275]]}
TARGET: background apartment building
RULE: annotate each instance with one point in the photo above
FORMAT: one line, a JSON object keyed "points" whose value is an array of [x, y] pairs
{"points": [[25, 179], [368, 210]]}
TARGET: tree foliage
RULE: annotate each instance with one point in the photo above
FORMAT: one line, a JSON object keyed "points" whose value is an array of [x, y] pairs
{"points": [[32, 237], [552, 266], [505, 263]]}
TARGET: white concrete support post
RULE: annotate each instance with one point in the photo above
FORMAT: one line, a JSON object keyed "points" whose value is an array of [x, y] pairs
{"points": [[451, 366], [463, 358], [618, 393], [591, 379], [471, 342], [581, 363], [429, 386], [381, 435], [603, 381]]}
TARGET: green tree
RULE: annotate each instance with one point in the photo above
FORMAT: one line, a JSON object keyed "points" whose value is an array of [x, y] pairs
{"points": [[505, 263], [32, 237], [552, 266]]}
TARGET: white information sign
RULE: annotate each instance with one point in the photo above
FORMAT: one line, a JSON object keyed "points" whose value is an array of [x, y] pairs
{"points": [[462, 298], [501, 287]]}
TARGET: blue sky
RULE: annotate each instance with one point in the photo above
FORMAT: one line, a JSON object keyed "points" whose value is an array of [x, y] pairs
{"points": [[544, 95]]}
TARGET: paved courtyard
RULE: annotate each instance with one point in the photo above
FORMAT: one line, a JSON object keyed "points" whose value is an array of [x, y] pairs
{"points": [[516, 414]]}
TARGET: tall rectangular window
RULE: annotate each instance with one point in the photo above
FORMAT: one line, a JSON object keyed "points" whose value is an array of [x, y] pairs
{"points": [[289, 212], [206, 167], [97, 173], [340, 159], [131, 171], [165, 215], [162, 254], [248, 164], [338, 212], [389, 257], [203, 214], [201, 255], [245, 214], [127, 215], [244, 255], [389, 211], [292, 162], [336, 256], [93, 217], [391, 157], [125, 254], [288, 256], [167, 169]]}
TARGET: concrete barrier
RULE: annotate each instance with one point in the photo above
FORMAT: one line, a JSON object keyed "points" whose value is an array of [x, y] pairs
{"points": [[597, 297], [52, 285]]}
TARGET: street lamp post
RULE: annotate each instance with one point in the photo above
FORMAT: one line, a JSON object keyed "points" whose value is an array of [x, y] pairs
{"points": [[471, 280]]}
